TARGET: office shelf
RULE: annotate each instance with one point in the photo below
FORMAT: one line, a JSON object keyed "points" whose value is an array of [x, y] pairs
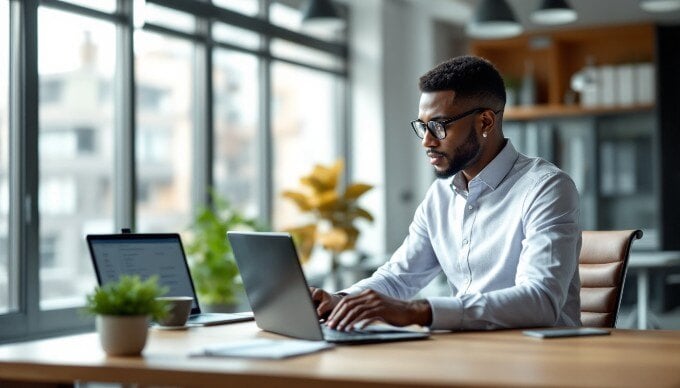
{"points": [[548, 111]]}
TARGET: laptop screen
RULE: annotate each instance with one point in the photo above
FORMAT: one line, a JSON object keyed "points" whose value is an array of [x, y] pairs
{"points": [[144, 255]]}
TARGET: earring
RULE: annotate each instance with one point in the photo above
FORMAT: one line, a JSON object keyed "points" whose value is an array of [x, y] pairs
{"points": [[484, 134]]}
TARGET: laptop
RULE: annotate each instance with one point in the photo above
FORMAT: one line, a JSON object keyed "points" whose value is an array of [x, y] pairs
{"points": [[279, 296], [145, 255]]}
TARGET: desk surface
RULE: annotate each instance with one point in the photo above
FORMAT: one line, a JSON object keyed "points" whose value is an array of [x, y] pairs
{"points": [[501, 358]]}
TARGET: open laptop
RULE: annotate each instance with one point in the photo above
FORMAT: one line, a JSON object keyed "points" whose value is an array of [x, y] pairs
{"points": [[279, 295], [145, 255]]}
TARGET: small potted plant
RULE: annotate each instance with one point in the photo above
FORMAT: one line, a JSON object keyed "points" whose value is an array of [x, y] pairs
{"points": [[123, 309]]}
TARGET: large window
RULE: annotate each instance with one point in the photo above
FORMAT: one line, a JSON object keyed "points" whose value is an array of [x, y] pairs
{"points": [[76, 57], [7, 275], [164, 129], [131, 115], [305, 129], [237, 169]]}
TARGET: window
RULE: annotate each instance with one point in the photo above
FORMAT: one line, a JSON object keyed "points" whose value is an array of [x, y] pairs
{"points": [[248, 7], [7, 275], [169, 18], [305, 129], [50, 90], [76, 53], [248, 130], [236, 167], [101, 5], [164, 158], [85, 140]]}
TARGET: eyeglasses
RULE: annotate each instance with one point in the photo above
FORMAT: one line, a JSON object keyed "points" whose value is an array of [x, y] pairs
{"points": [[438, 128]]}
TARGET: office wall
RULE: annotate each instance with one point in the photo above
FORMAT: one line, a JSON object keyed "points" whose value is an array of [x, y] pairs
{"points": [[393, 43]]}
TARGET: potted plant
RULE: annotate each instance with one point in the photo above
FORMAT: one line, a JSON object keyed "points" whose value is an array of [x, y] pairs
{"points": [[334, 212], [123, 309], [212, 262]]}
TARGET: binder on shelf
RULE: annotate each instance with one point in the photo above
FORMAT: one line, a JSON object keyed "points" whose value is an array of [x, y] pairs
{"points": [[625, 82], [608, 85], [645, 84]]}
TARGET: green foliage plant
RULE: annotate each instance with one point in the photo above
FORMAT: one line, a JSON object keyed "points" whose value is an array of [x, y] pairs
{"points": [[212, 262], [128, 296]]}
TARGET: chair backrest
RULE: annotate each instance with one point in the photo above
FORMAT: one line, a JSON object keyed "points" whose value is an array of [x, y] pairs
{"points": [[602, 269]]}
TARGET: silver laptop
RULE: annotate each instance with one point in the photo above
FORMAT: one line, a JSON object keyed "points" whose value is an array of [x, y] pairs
{"points": [[279, 296], [114, 255]]}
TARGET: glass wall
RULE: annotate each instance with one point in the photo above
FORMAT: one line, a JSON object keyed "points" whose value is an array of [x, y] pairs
{"points": [[7, 286], [76, 136]]}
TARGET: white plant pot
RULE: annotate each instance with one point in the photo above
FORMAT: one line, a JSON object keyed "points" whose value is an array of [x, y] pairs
{"points": [[122, 335]]}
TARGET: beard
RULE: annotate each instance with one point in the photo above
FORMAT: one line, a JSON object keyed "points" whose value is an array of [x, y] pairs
{"points": [[463, 156]]}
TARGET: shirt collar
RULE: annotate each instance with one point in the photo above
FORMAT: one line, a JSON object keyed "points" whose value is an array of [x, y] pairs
{"points": [[494, 172]]}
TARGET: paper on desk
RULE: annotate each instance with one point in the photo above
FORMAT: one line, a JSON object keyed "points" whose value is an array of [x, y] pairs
{"points": [[263, 348]]}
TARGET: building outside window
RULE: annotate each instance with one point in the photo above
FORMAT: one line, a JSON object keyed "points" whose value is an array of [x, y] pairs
{"points": [[164, 132], [76, 57]]}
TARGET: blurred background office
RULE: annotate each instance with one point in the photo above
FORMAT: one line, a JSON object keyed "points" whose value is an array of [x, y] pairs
{"points": [[122, 113]]}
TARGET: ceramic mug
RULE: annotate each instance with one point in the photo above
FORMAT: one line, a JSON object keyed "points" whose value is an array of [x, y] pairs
{"points": [[178, 313]]}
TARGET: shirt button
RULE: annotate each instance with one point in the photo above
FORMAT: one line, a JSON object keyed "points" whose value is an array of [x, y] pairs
{"points": [[469, 207], [465, 241]]}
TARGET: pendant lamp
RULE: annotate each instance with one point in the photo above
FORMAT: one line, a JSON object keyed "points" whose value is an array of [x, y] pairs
{"points": [[553, 12], [494, 19], [320, 15], [660, 5]]}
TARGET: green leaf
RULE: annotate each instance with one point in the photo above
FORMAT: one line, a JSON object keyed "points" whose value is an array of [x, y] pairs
{"points": [[129, 295]]}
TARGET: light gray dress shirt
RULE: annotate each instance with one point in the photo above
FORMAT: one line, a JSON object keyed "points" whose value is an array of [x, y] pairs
{"points": [[508, 245]]}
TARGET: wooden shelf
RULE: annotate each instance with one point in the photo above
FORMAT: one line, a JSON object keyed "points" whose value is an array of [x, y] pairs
{"points": [[538, 112], [556, 55]]}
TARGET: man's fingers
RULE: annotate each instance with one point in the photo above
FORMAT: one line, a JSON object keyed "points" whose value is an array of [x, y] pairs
{"points": [[356, 315], [324, 309], [346, 305]]}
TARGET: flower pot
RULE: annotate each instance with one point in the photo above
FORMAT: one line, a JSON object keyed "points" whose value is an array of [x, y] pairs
{"points": [[122, 335]]}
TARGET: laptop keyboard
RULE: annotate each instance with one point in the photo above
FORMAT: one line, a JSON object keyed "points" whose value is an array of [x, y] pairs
{"points": [[332, 334]]}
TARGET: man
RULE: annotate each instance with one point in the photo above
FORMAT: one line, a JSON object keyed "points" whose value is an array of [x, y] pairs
{"points": [[502, 227]]}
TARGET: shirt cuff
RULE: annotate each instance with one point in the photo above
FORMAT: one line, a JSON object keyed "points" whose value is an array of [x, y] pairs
{"points": [[447, 313], [350, 290]]}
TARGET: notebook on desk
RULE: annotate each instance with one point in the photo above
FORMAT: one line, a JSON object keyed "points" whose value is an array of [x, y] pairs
{"points": [[279, 296], [145, 255]]}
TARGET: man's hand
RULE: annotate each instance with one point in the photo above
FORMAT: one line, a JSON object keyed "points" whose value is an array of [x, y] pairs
{"points": [[371, 304], [324, 302]]}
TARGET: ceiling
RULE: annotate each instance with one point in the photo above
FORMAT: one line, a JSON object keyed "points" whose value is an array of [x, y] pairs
{"points": [[590, 12], [595, 13]]}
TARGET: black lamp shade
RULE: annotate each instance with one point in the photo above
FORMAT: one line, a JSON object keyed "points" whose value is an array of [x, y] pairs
{"points": [[321, 14], [494, 19], [494, 11]]}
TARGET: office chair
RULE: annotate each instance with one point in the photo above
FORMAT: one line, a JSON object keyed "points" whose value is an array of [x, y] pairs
{"points": [[602, 269]]}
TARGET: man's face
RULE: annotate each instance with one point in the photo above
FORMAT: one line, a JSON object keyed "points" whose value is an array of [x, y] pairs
{"points": [[460, 148]]}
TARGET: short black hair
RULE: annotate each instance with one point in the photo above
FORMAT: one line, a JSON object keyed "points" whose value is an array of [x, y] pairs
{"points": [[470, 77]]}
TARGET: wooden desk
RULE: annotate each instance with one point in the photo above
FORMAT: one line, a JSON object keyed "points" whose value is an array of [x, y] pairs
{"points": [[502, 358]]}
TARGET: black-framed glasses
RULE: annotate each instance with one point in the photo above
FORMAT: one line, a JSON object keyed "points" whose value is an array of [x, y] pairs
{"points": [[438, 128]]}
